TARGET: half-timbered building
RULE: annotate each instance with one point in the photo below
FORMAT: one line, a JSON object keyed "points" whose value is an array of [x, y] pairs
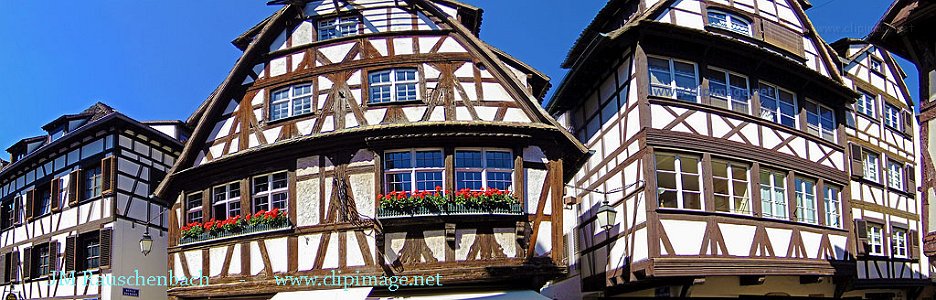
{"points": [[77, 200], [721, 136], [336, 111], [882, 138]]}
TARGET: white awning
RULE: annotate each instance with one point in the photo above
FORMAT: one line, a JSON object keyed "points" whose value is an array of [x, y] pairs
{"points": [[359, 293], [503, 295]]}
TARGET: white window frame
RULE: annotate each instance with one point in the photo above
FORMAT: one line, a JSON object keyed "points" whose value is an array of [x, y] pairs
{"points": [[228, 201], [778, 208], [332, 28], [44, 263], [678, 171], [293, 97], [731, 186], [892, 117], [412, 170], [833, 206], [820, 129], [776, 115], [866, 104], [189, 209], [876, 64], [895, 176], [876, 239], [394, 84], [269, 193], [484, 166], [806, 196], [899, 242], [671, 86], [871, 166], [730, 96], [729, 25]]}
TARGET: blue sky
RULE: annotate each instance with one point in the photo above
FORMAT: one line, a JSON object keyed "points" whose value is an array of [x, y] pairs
{"points": [[158, 60]]}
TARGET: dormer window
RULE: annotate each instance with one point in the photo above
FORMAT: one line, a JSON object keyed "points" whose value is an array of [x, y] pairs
{"points": [[338, 27], [730, 22], [876, 64]]}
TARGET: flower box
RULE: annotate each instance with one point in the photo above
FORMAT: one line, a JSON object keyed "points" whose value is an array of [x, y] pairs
{"points": [[261, 222], [450, 209], [439, 202]]}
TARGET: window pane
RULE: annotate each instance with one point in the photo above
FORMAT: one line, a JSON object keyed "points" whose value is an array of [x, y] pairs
{"points": [[260, 184], [468, 180], [428, 181], [406, 92], [499, 159], [261, 203], [499, 180], [399, 182], [468, 159], [398, 160], [279, 181], [429, 159]]}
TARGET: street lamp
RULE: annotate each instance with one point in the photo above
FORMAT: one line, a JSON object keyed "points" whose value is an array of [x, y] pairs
{"points": [[146, 243], [606, 216]]}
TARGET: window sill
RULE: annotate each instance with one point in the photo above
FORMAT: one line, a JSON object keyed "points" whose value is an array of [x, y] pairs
{"points": [[749, 217], [395, 103], [287, 119]]}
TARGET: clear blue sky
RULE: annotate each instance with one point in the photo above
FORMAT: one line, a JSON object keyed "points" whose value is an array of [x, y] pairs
{"points": [[157, 60]]}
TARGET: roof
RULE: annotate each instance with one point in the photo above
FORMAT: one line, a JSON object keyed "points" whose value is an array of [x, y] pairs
{"points": [[97, 110], [899, 20]]}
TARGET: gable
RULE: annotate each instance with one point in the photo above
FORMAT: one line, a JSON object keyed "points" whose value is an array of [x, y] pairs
{"points": [[888, 80]]}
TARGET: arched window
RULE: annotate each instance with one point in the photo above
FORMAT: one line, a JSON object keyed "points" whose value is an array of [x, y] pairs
{"points": [[728, 21]]}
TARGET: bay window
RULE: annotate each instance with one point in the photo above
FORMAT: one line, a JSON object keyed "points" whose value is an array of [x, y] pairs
{"points": [[270, 191], [291, 101], [478, 169], [833, 206], [731, 187], [728, 90], [414, 170], [773, 194], [806, 201], [226, 201], [778, 105], [670, 78], [393, 85], [679, 181], [820, 120]]}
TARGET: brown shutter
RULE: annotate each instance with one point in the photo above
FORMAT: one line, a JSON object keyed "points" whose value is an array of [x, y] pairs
{"points": [[53, 257], [70, 245], [914, 248], [74, 188], [18, 210], [782, 37], [857, 164], [108, 175], [56, 197], [30, 197], [14, 266], [910, 179], [861, 234], [105, 240], [27, 263], [4, 267], [909, 120]]}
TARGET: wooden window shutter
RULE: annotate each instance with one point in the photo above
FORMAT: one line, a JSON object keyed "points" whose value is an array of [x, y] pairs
{"points": [[53, 257], [14, 266], [910, 179], [106, 234], [27, 263], [70, 246], [782, 37], [5, 268], [18, 210], [861, 233], [857, 164], [56, 195], [74, 188], [30, 197], [908, 121], [108, 175], [914, 244]]}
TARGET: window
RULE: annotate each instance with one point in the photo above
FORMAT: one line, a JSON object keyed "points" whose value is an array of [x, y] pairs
{"points": [[833, 206], [484, 169], [291, 101], [43, 201], [89, 251], [226, 201], [820, 120], [876, 239], [870, 162], [673, 79], [876, 64], [729, 90], [773, 194], [193, 204], [7, 214], [895, 175], [394, 85], [806, 201], [899, 243], [92, 182], [270, 191], [892, 116], [778, 105], [730, 182], [727, 21], [338, 27], [679, 181], [414, 170], [43, 263], [866, 104]]}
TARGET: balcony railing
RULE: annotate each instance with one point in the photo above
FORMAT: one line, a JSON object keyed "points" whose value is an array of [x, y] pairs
{"points": [[224, 234], [450, 209]]}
